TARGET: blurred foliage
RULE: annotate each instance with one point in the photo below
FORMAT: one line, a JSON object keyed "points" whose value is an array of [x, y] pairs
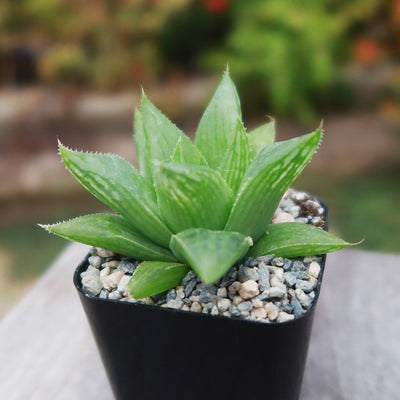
{"points": [[105, 43], [287, 53]]}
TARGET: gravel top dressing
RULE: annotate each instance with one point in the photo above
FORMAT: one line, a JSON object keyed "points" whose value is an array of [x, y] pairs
{"points": [[266, 289]]}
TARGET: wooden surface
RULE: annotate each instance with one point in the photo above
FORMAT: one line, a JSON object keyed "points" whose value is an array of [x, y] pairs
{"points": [[47, 352]]}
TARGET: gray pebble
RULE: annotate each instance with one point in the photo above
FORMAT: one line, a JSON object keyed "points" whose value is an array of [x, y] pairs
{"points": [[298, 266], [206, 296], [287, 307], [103, 294], [95, 261], [263, 277], [122, 283], [302, 275], [171, 295], [290, 278], [297, 308], [305, 286], [247, 274], [276, 292], [266, 259], [302, 220], [126, 267], [188, 277], [245, 306], [250, 262], [234, 311], [229, 277], [91, 283], [287, 264], [189, 286]]}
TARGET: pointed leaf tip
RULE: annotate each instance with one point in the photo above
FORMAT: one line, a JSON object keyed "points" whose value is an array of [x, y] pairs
{"points": [[210, 253]]}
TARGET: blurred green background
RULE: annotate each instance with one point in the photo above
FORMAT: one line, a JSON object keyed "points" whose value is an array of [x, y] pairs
{"points": [[73, 69]]}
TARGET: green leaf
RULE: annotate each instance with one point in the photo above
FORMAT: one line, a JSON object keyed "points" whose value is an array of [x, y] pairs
{"points": [[117, 184], [192, 196], [177, 156], [110, 232], [261, 137], [236, 159], [267, 178], [158, 138], [217, 126], [293, 239], [209, 253], [151, 278]]}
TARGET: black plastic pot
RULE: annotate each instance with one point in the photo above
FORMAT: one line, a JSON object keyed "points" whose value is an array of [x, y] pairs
{"points": [[153, 353]]}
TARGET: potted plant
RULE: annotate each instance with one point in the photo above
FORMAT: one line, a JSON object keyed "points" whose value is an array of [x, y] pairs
{"points": [[194, 226]]}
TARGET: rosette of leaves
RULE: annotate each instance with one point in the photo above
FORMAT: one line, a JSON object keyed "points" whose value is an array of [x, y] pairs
{"points": [[201, 206]]}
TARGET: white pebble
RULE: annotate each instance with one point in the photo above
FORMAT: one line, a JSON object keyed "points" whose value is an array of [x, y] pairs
{"points": [[105, 253], [222, 292], [272, 311], [237, 300], [111, 264], [249, 289], [257, 303], [283, 317], [122, 283], [196, 307], [111, 281], [283, 217], [258, 313], [314, 269], [223, 305]]}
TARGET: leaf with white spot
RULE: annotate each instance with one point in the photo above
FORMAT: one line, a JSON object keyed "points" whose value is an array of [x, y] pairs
{"points": [[267, 178]]}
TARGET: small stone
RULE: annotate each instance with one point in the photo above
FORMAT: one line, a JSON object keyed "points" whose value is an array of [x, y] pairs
{"points": [[283, 317], [283, 217], [249, 289], [227, 314], [250, 262], [297, 308], [237, 300], [185, 308], [146, 300], [194, 299], [95, 261], [302, 275], [314, 269], [111, 281], [311, 296], [299, 196], [275, 281], [222, 292], [206, 296], [305, 286], [266, 259], [290, 278], [245, 306], [277, 262], [91, 283], [294, 211], [258, 313], [234, 287], [126, 267], [276, 292], [176, 303], [189, 286], [287, 264], [229, 277], [196, 307], [115, 295], [104, 272], [263, 277], [314, 282], [298, 266], [122, 283], [223, 305], [309, 259], [301, 220], [104, 253], [287, 307], [214, 310], [171, 295], [272, 311], [234, 311], [180, 292], [103, 294], [303, 298], [246, 274], [111, 264], [189, 277], [257, 303]]}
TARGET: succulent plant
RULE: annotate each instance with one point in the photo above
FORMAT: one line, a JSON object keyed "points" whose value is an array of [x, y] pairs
{"points": [[200, 206]]}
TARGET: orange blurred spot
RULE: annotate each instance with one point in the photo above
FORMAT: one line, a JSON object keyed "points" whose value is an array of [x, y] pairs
{"points": [[216, 6], [366, 51]]}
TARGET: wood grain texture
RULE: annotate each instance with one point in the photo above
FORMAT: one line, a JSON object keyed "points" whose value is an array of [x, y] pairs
{"points": [[47, 351]]}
